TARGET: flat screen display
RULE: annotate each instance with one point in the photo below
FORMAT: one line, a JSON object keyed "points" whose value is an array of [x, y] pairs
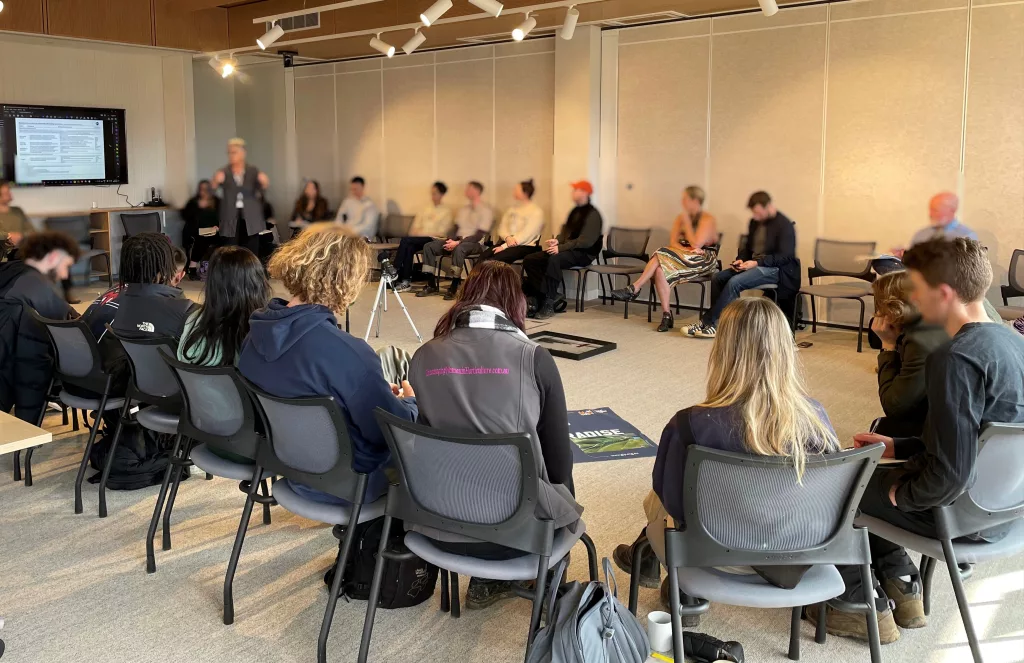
{"points": [[62, 145]]}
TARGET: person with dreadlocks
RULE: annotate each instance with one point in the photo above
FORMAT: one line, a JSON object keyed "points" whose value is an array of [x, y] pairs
{"points": [[143, 303]]}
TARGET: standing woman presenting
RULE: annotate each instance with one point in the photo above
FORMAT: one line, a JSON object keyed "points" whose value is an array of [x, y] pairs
{"points": [[241, 207]]}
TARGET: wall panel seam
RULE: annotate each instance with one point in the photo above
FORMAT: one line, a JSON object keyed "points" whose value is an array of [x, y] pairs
{"points": [[917, 13], [774, 27]]}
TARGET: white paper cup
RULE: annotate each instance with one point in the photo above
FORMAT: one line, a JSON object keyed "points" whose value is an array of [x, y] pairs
{"points": [[659, 631]]}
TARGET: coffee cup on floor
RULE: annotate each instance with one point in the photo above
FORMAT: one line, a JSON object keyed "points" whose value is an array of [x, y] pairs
{"points": [[659, 630]]}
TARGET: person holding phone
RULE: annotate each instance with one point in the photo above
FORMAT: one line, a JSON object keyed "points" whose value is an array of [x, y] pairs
{"points": [[768, 257]]}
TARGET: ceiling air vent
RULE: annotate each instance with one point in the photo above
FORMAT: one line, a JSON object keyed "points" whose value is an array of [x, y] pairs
{"points": [[642, 18], [293, 23]]}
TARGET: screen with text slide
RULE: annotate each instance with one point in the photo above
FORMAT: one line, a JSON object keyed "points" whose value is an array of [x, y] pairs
{"points": [[62, 146]]}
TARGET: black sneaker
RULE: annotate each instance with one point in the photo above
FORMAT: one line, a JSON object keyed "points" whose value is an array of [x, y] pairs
{"points": [[484, 593], [667, 322], [427, 291], [449, 295], [650, 567], [403, 286], [627, 294]]}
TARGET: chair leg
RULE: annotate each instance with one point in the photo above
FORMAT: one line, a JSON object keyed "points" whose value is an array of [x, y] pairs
{"points": [[678, 652], [634, 578], [158, 509], [445, 600], [538, 601], [591, 555], [236, 550], [874, 644], [209, 477], [961, 598], [74, 420], [345, 547], [28, 466], [860, 326], [175, 482], [794, 634], [266, 507], [17, 466], [625, 306], [927, 569], [110, 457], [814, 316], [371, 603], [456, 606], [63, 414], [85, 456], [819, 631]]}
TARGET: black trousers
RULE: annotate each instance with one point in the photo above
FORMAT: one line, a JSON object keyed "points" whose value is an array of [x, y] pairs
{"points": [[407, 248], [241, 238], [542, 272], [510, 254]]}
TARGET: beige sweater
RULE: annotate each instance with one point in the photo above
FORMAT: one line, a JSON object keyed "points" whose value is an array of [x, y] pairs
{"points": [[525, 222]]}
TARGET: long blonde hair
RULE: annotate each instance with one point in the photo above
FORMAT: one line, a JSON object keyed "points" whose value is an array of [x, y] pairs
{"points": [[753, 366]]}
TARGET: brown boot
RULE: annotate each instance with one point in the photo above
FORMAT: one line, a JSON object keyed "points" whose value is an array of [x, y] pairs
{"points": [[854, 624], [909, 610]]}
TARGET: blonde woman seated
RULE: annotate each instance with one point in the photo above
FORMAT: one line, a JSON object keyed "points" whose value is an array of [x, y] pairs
{"points": [[691, 254], [756, 404]]}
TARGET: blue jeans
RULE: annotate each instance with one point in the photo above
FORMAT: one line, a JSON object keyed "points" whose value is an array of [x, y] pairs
{"points": [[727, 285]]}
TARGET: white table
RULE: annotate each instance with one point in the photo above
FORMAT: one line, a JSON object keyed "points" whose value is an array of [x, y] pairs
{"points": [[16, 434]]}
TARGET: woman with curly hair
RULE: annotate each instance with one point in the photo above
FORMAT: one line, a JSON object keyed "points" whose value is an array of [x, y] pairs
{"points": [[295, 348]]}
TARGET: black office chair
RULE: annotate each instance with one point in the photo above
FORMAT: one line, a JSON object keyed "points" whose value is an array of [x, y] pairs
{"points": [[835, 258], [628, 243], [77, 363], [306, 442], [440, 487], [151, 384], [140, 222], [767, 523], [79, 228], [217, 415]]}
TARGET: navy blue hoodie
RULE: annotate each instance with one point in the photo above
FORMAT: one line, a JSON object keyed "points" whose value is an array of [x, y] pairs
{"points": [[299, 351]]}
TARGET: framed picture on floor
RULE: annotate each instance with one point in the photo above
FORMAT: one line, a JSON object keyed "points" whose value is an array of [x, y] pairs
{"points": [[571, 347]]}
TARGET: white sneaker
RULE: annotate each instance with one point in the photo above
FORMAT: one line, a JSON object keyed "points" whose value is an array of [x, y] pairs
{"points": [[692, 329], [707, 331]]}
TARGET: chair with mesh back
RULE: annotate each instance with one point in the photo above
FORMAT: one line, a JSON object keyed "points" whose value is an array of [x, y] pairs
{"points": [[78, 364], [996, 498], [1015, 288], [140, 222], [79, 227], [628, 243], [151, 385], [485, 487], [771, 521], [217, 420], [835, 258], [307, 442]]}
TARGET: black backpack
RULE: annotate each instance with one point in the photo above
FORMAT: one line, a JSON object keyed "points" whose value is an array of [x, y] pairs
{"points": [[405, 583]]}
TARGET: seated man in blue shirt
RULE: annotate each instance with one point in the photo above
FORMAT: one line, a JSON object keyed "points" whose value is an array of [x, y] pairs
{"points": [[942, 211]]}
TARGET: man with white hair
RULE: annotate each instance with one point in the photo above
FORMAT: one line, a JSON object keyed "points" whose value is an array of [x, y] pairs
{"points": [[942, 210]]}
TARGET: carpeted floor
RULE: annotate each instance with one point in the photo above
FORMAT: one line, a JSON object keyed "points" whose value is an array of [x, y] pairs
{"points": [[74, 588]]}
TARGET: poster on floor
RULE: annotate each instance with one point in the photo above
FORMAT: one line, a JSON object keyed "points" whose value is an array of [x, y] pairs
{"points": [[600, 434]]}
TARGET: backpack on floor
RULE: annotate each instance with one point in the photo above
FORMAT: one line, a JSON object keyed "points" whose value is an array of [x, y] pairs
{"points": [[589, 625], [405, 584]]}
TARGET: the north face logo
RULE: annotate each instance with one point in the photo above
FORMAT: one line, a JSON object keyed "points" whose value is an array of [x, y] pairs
{"points": [[146, 327]]}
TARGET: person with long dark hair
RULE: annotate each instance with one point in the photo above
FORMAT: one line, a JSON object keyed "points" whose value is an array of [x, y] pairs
{"points": [[310, 206], [463, 377], [520, 228], [201, 215], [236, 287]]}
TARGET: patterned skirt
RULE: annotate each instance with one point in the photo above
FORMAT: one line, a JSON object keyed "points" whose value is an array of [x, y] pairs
{"points": [[679, 266]]}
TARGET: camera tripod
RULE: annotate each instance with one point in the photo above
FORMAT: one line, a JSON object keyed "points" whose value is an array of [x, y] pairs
{"points": [[387, 279]]}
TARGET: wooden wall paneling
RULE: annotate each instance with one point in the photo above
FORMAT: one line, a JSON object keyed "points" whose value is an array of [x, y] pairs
{"points": [[202, 30], [23, 16], [243, 32], [124, 21]]}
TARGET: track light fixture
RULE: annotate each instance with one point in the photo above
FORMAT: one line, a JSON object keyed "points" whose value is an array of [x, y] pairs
{"points": [[524, 28], [569, 25], [382, 47], [492, 7], [414, 42], [224, 67], [768, 7], [273, 34], [435, 12]]}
